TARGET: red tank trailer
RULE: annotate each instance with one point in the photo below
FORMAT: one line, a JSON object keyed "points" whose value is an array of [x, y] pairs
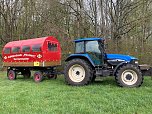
{"points": [[40, 54]]}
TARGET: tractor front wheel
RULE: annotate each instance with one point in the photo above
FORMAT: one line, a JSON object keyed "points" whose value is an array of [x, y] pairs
{"points": [[78, 72], [129, 76]]}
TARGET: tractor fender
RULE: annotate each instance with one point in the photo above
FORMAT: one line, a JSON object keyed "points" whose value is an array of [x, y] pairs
{"points": [[118, 66], [80, 56]]}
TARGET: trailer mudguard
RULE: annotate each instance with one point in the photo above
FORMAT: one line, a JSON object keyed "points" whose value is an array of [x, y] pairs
{"points": [[81, 56]]}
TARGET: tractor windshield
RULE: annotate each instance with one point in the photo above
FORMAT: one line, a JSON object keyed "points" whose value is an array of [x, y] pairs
{"points": [[93, 46], [95, 51]]}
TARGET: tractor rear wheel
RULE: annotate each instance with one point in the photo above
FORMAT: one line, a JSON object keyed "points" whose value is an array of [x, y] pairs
{"points": [[78, 72], [11, 74], [129, 76], [38, 76]]}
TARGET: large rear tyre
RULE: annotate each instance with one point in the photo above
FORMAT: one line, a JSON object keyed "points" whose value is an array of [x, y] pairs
{"points": [[78, 72], [11, 74], [129, 76]]}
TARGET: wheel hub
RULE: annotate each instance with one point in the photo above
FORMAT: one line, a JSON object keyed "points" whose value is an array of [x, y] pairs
{"points": [[11, 76], [129, 77], [76, 73], [37, 77]]}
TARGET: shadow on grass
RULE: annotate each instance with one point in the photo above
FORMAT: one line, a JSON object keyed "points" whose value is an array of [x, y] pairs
{"points": [[105, 81], [59, 80]]}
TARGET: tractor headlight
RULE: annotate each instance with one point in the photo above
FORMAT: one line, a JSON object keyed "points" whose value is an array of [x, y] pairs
{"points": [[136, 62]]}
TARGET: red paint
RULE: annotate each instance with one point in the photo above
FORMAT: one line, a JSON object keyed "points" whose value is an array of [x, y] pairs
{"points": [[37, 77], [54, 54], [11, 76]]}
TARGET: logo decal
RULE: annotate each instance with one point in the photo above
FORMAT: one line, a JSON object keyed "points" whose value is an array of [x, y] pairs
{"points": [[39, 56], [5, 57]]}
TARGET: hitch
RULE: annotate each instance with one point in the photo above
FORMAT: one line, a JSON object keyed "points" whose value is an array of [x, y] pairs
{"points": [[146, 70]]}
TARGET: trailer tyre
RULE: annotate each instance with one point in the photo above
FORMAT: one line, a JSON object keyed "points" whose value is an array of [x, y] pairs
{"points": [[38, 76], [129, 76], [11, 74], [51, 76], [78, 72]]}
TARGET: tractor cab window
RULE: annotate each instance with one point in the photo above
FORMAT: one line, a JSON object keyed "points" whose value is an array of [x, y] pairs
{"points": [[26, 49], [36, 48], [79, 47], [93, 49], [15, 49], [52, 47], [7, 50], [92, 46]]}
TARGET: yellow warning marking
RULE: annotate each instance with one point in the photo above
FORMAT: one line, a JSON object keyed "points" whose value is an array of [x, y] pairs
{"points": [[36, 63]]}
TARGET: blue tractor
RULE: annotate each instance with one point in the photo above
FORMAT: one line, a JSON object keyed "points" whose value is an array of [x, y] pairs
{"points": [[90, 61]]}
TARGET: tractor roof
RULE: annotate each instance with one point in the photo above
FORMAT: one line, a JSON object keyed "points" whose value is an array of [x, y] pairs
{"points": [[88, 39]]}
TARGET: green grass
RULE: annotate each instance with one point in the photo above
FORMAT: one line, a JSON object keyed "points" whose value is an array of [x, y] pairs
{"points": [[55, 97]]}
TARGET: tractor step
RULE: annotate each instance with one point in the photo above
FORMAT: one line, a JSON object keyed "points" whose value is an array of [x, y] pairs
{"points": [[101, 72]]}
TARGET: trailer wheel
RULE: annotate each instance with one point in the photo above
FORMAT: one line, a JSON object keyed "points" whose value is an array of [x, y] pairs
{"points": [[78, 72], [38, 76], [129, 76], [51, 76], [11, 74], [26, 73]]}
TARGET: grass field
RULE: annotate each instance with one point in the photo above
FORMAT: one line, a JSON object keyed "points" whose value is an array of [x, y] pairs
{"points": [[55, 97]]}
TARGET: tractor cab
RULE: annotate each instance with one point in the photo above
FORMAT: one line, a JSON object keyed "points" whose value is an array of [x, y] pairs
{"points": [[89, 49], [93, 48]]}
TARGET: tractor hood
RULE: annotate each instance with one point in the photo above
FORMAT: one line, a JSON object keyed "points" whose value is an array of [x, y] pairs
{"points": [[120, 57]]}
